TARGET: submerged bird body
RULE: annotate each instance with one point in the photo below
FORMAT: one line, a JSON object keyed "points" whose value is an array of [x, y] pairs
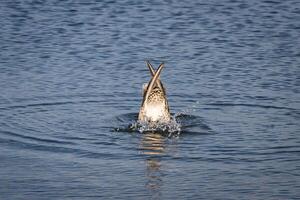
{"points": [[154, 108]]}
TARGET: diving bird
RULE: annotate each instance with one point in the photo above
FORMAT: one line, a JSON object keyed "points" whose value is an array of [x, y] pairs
{"points": [[154, 108]]}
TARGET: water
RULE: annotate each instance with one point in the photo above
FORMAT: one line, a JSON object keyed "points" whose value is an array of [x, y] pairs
{"points": [[71, 75]]}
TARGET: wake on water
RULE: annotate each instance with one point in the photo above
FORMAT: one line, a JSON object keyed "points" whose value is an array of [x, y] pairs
{"points": [[129, 123], [179, 123], [171, 127]]}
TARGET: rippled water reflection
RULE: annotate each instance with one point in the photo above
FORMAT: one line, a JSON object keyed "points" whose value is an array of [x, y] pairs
{"points": [[71, 75]]}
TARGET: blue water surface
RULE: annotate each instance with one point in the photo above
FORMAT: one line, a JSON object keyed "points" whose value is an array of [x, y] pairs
{"points": [[71, 76]]}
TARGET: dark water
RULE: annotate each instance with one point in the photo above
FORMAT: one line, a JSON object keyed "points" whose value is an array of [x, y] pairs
{"points": [[71, 74]]}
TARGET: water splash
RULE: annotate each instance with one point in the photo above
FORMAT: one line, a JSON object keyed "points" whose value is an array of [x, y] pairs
{"points": [[189, 110], [170, 128], [174, 126], [181, 122]]}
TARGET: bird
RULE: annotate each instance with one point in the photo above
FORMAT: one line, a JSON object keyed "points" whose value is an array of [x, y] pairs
{"points": [[154, 108]]}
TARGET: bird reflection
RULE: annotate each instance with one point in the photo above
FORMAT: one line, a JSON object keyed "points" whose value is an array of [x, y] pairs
{"points": [[153, 146]]}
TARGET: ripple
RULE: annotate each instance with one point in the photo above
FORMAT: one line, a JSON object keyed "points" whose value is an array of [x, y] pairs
{"points": [[251, 105], [48, 104], [36, 139]]}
